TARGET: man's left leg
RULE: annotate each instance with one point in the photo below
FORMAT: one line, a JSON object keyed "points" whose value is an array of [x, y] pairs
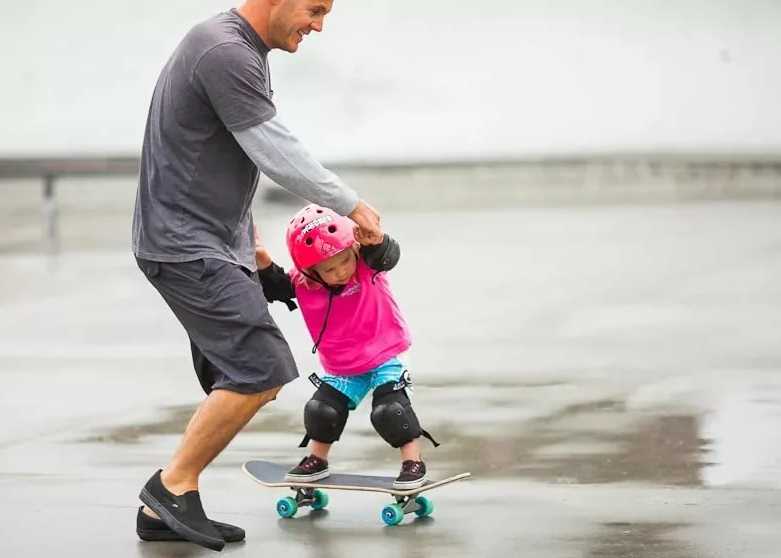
{"points": [[215, 423]]}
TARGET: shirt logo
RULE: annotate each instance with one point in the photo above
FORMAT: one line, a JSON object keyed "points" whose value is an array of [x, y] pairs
{"points": [[351, 289]]}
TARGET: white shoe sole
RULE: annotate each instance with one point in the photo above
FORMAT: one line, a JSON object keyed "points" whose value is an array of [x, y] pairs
{"points": [[409, 484], [308, 478]]}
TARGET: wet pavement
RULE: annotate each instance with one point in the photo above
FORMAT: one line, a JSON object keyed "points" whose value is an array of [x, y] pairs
{"points": [[609, 374]]}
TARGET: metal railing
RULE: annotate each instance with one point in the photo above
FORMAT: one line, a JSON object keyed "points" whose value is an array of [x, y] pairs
{"points": [[49, 170], [621, 177]]}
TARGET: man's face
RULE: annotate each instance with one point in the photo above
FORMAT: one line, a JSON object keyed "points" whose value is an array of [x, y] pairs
{"points": [[291, 20]]}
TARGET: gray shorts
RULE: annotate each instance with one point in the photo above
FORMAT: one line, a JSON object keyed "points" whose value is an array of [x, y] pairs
{"points": [[235, 343]]}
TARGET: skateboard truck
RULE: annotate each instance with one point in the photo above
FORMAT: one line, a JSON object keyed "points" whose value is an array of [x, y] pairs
{"points": [[393, 514], [313, 497]]}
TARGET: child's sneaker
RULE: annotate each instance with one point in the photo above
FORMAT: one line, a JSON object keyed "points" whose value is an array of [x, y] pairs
{"points": [[412, 475], [310, 469]]}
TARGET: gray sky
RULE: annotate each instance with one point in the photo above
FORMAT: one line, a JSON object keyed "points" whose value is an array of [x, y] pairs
{"points": [[410, 80]]}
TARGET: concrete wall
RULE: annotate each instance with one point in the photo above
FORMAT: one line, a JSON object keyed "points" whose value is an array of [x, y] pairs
{"points": [[394, 80]]}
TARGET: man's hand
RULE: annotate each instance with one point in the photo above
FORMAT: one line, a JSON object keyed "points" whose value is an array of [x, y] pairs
{"points": [[262, 257], [368, 220]]}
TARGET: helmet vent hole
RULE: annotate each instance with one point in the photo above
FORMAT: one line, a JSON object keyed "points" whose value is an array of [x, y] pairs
{"points": [[308, 241], [332, 229], [302, 219], [319, 210]]}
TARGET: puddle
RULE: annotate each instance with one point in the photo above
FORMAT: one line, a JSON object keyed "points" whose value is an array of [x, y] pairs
{"points": [[657, 449], [174, 420], [584, 443]]}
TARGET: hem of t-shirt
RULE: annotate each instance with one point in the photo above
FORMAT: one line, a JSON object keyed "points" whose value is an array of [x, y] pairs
{"points": [[378, 360], [170, 258]]}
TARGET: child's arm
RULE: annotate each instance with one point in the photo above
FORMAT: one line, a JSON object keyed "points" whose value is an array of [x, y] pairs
{"points": [[383, 256], [276, 283]]}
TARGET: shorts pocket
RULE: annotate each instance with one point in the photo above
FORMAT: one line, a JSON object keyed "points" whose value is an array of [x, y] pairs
{"points": [[150, 268], [208, 267]]}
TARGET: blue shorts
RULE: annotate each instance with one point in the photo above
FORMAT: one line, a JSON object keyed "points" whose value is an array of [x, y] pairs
{"points": [[356, 387]]}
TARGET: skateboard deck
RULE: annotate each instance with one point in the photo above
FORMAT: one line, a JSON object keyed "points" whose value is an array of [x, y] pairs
{"points": [[311, 493]]}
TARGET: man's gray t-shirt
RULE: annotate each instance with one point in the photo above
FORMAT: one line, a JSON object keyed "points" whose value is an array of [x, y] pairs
{"points": [[196, 183]]}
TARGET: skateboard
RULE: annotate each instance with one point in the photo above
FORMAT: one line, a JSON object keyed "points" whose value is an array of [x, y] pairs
{"points": [[312, 493]]}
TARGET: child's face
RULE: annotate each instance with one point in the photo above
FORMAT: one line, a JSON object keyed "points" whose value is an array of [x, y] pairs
{"points": [[337, 269]]}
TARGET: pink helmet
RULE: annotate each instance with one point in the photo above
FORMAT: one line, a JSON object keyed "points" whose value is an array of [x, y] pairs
{"points": [[316, 233]]}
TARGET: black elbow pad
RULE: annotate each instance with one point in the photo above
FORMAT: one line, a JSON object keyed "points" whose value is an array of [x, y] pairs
{"points": [[382, 257]]}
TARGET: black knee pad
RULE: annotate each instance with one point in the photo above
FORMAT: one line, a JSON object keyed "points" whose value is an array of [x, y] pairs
{"points": [[325, 414], [392, 416]]}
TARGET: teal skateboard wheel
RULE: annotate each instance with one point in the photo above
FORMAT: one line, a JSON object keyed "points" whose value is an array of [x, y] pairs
{"points": [[287, 507], [321, 500], [426, 506], [392, 514]]}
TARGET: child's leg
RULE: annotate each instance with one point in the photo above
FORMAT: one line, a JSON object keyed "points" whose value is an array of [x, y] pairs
{"points": [[393, 418], [411, 451], [320, 449], [324, 418], [413, 470]]}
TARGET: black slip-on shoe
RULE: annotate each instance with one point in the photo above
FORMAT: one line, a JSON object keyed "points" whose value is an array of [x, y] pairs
{"points": [[183, 514], [152, 529]]}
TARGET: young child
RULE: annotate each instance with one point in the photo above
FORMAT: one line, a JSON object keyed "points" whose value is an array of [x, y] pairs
{"points": [[358, 331]]}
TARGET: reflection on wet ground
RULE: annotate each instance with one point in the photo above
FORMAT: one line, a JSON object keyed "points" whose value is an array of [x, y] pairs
{"points": [[663, 450], [316, 530], [173, 422], [638, 540], [584, 443]]}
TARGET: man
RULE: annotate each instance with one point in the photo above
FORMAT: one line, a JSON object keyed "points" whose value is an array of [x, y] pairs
{"points": [[212, 124]]}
